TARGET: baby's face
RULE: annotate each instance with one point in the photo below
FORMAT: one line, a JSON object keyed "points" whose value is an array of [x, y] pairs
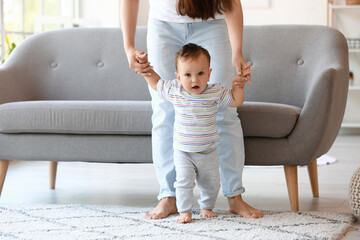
{"points": [[194, 74]]}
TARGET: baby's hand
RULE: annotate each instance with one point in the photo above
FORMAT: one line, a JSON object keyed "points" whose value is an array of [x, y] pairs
{"points": [[238, 82], [246, 71], [141, 56]]}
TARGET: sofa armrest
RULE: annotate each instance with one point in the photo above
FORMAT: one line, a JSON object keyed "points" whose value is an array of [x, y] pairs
{"points": [[12, 88], [320, 119]]}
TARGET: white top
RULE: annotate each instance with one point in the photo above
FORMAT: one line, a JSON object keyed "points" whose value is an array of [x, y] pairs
{"points": [[195, 115], [165, 10]]}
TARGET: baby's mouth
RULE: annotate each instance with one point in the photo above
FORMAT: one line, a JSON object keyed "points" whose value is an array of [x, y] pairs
{"points": [[195, 87]]}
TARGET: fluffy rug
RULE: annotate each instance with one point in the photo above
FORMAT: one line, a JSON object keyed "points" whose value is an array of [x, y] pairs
{"points": [[52, 222]]}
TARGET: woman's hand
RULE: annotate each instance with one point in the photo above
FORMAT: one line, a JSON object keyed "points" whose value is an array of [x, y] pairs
{"points": [[243, 69], [138, 61]]}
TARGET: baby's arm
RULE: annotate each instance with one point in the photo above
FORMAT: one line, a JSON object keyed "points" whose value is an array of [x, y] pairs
{"points": [[151, 77], [238, 86], [237, 91]]}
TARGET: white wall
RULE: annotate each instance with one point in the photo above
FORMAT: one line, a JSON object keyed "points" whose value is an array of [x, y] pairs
{"points": [[143, 12], [287, 12], [107, 11], [279, 12]]}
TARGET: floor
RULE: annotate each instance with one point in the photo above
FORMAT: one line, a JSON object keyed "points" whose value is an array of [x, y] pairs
{"points": [[136, 184]]}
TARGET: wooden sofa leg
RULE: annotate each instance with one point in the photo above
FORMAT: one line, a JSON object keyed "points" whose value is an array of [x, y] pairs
{"points": [[292, 185], [52, 174], [313, 174], [4, 164]]}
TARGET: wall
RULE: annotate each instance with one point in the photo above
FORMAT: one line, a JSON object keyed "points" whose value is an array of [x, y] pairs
{"points": [[107, 11], [279, 12], [287, 12]]}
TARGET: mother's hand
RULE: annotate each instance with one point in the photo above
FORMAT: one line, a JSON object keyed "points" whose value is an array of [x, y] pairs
{"points": [[243, 69], [138, 61]]}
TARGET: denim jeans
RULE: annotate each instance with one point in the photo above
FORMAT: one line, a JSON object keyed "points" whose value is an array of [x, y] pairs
{"points": [[164, 39]]}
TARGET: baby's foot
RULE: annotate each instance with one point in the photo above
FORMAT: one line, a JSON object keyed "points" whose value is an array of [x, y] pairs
{"points": [[184, 218], [207, 213]]}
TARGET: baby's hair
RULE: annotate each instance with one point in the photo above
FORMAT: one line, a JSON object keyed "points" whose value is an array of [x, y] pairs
{"points": [[191, 50]]}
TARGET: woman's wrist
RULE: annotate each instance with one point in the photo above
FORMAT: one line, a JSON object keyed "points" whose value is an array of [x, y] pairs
{"points": [[129, 48], [237, 53]]}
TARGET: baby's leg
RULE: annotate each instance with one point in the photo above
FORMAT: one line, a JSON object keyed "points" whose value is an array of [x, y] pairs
{"points": [[184, 217], [185, 183], [207, 213], [208, 181]]}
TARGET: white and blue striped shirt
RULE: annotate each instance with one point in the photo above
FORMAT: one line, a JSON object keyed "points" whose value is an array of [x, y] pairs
{"points": [[195, 115]]}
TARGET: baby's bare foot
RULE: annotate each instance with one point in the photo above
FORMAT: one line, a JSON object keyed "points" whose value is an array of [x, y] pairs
{"points": [[238, 206], [207, 213], [165, 207], [184, 218]]}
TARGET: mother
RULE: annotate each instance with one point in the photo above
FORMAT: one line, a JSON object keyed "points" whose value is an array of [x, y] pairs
{"points": [[216, 25]]}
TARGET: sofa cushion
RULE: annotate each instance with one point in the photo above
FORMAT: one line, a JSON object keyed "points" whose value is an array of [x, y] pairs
{"points": [[129, 117], [77, 117], [272, 120]]}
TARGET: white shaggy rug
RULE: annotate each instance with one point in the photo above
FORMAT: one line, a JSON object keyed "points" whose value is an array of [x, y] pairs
{"points": [[52, 222]]}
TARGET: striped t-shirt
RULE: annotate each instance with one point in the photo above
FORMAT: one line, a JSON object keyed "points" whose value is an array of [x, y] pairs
{"points": [[195, 115]]}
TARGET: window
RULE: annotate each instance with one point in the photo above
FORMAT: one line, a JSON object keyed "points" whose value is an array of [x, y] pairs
{"points": [[22, 18]]}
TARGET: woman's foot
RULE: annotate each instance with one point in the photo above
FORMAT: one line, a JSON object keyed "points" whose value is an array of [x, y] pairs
{"points": [[207, 213], [238, 206], [184, 218], [165, 207]]}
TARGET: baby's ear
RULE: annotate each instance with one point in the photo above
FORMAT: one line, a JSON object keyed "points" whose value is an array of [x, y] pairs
{"points": [[210, 70], [177, 76]]}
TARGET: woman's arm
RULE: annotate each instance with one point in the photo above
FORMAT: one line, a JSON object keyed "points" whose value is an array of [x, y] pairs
{"points": [[235, 23], [129, 13]]}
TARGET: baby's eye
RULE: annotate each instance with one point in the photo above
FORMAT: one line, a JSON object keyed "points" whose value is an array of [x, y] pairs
{"points": [[201, 73], [187, 75]]}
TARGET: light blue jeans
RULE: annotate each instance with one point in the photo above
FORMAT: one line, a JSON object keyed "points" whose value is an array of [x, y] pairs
{"points": [[164, 39]]}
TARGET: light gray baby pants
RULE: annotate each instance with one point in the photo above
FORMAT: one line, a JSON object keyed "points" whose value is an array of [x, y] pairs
{"points": [[202, 166]]}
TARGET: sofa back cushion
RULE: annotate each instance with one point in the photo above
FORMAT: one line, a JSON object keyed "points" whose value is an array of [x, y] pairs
{"points": [[78, 64], [289, 59], [90, 63]]}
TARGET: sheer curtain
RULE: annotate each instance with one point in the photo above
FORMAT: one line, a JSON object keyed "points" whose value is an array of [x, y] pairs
{"points": [[2, 32]]}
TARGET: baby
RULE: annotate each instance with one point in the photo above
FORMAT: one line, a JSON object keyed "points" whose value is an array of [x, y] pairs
{"points": [[195, 103]]}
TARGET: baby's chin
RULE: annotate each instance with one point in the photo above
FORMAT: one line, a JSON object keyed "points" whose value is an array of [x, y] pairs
{"points": [[196, 90]]}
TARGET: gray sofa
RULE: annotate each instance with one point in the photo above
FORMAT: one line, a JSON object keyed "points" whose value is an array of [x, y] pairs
{"points": [[68, 95]]}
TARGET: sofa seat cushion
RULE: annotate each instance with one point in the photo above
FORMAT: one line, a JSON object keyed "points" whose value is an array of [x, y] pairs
{"points": [[77, 117], [271, 120]]}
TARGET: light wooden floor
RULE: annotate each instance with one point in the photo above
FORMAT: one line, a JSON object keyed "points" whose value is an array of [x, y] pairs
{"points": [[136, 184]]}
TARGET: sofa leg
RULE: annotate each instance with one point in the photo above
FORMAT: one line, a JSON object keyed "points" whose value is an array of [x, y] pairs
{"points": [[52, 174], [292, 186], [4, 164], [313, 174]]}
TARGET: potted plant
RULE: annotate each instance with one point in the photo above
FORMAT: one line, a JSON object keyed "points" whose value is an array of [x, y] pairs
{"points": [[11, 47]]}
